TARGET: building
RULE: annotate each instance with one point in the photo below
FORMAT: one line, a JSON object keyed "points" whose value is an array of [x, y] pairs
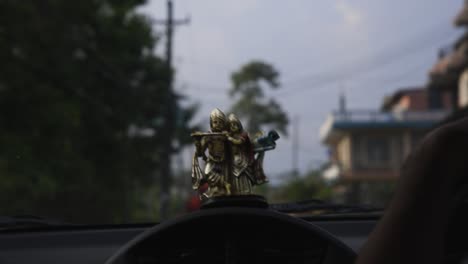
{"points": [[450, 73], [413, 99], [367, 148]]}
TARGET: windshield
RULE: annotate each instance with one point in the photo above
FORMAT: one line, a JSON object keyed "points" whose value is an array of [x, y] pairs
{"points": [[99, 100]]}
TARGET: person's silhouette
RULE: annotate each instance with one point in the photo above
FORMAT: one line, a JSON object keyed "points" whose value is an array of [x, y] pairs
{"points": [[433, 178]]}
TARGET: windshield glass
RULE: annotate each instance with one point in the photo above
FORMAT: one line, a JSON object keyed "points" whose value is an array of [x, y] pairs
{"points": [[99, 99]]}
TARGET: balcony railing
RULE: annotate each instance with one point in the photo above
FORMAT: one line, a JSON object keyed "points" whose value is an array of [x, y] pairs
{"points": [[376, 117]]}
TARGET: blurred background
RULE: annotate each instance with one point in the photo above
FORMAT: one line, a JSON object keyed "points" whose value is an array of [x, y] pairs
{"points": [[98, 97]]}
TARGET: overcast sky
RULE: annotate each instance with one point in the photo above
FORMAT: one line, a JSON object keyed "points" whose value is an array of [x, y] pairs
{"points": [[366, 48]]}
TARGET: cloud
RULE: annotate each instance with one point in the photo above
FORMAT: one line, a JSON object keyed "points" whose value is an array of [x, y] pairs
{"points": [[351, 15]]}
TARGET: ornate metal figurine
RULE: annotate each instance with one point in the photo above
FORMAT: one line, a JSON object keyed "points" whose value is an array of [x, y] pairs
{"points": [[216, 172], [234, 162], [242, 157]]}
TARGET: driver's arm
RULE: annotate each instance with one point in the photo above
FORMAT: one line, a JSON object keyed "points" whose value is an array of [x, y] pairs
{"points": [[414, 225]]}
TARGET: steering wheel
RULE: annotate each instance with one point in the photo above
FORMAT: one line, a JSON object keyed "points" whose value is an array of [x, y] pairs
{"points": [[234, 235]]}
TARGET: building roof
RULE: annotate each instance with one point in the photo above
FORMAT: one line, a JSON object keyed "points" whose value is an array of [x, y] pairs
{"points": [[445, 72], [461, 40], [462, 18], [459, 58], [440, 68], [339, 122], [389, 101]]}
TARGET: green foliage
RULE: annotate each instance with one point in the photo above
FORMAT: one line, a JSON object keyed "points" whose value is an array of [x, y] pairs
{"points": [[307, 187], [249, 84], [183, 127], [74, 76]]}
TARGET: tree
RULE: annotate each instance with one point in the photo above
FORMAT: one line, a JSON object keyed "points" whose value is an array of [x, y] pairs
{"points": [[248, 89], [307, 187], [75, 77]]}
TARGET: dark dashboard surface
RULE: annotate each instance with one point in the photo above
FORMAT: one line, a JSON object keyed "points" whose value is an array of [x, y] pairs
{"points": [[97, 244]]}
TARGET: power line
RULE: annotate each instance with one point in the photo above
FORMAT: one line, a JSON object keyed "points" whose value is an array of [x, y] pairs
{"points": [[387, 81], [327, 78], [384, 59], [427, 37], [220, 89], [394, 79]]}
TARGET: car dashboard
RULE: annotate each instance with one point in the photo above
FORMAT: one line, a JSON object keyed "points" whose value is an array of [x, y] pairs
{"points": [[213, 235], [216, 235]]}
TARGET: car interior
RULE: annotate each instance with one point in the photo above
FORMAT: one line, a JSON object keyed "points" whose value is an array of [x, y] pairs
{"points": [[257, 132]]}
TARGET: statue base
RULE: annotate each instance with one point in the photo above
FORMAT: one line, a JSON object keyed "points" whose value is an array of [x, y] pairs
{"points": [[250, 201]]}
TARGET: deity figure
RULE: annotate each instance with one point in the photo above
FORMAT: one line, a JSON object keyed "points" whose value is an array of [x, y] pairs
{"points": [[242, 156], [234, 162], [217, 163]]}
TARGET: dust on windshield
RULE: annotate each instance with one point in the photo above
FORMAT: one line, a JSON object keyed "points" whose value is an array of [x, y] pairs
{"points": [[100, 99]]}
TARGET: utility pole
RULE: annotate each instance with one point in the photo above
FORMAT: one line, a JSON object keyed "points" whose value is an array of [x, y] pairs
{"points": [[295, 146], [170, 114], [342, 103]]}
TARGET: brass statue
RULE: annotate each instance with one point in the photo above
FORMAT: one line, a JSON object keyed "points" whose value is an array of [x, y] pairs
{"points": [[242, 157], [234, 163], [216, 172]]}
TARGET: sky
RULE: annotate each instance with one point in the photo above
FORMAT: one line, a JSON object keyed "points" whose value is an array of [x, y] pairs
{"points": [[366, 49]]}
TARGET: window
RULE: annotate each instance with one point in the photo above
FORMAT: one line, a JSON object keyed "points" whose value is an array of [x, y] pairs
{"points": [[378, 151], [371, 152]]}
